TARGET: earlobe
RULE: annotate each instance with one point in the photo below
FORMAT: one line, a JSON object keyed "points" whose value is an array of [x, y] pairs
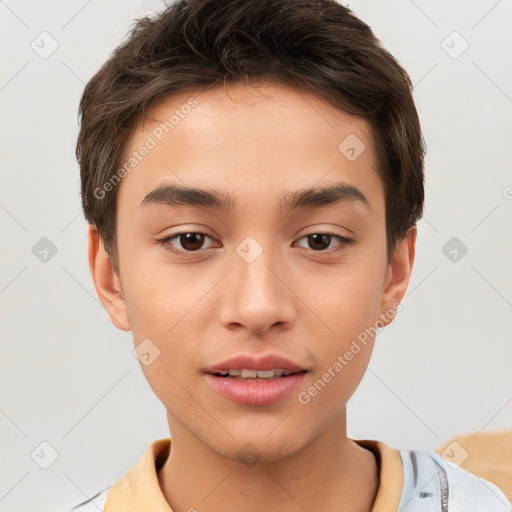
{"points": [[106, 282], [398, 274]]}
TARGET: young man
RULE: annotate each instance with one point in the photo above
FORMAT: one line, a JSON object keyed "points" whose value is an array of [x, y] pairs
{"points": [[252, 172]]}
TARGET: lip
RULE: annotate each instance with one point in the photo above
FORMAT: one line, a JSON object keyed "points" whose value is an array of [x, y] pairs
{"points": [[255, 391], [248, 362]]}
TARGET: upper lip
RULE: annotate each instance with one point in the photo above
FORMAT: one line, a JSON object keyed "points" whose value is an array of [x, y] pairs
{"points": [[248, 362]]}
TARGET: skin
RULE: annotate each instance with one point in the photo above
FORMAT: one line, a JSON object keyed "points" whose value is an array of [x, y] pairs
{"points": [[256, 143]]}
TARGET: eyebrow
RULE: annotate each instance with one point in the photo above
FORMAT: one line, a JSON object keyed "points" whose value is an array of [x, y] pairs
{"points": [[179, 195]]}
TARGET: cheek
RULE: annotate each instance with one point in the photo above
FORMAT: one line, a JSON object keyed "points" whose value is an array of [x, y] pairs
{"points": [[160, 296], [349, 312], [330, 388], [346, 299], [168, 312], [174, 370], [343, 352]]}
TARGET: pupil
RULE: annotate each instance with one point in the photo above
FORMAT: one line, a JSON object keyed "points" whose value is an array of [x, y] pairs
{"points": [[319, 238], [191, 241]]}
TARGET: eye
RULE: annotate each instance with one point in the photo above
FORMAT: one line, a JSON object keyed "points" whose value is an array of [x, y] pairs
{"points": [[319, 242], [189, 242], [192, 241]]}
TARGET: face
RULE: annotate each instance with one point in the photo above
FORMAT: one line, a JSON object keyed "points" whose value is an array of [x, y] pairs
{"points": [[254, 265]]}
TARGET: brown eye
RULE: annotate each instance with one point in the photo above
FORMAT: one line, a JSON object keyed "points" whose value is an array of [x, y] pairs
{"points": [[191, 241], [319, 241], [184, 243]]}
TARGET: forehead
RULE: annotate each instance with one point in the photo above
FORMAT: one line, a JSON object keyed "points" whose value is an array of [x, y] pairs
{"points": [[246, 137], [264, 107]]}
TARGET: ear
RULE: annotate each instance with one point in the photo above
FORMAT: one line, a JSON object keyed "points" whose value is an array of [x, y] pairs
{"points": [[397, 277], [106, 282]]}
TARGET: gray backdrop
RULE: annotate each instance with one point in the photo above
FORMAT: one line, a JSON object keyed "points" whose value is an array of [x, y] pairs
{"points": [[75, 410]]}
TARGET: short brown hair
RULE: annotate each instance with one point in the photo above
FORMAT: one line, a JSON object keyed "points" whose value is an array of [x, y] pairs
{"points": [[318, 46]]}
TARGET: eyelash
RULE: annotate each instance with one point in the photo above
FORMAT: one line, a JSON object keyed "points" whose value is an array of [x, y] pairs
{"points": [[165, 242]]}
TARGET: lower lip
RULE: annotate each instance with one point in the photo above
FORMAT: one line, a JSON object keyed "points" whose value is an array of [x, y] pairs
{"points": [[255, 392]]}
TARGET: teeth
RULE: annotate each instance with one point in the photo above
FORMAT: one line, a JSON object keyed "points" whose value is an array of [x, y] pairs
{"points": [[251, 374]]}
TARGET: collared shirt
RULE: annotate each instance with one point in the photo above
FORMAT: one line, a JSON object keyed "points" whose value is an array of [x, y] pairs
{"points": [[409, 481], [139, 488]]}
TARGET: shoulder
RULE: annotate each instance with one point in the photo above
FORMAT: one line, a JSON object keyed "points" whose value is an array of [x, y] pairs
{"points": [[95, 503], [433, 484]]}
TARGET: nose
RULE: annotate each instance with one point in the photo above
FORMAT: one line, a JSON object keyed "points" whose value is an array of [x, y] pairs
{"points": [[256, 295]]}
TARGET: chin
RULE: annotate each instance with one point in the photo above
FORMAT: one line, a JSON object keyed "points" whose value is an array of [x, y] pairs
{"points": [[259, 448]]}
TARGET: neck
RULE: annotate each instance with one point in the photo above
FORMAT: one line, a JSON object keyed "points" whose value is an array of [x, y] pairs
{"points": [[330, 473]]}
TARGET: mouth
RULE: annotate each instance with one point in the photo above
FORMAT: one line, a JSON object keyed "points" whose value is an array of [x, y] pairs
{"points": [[263, 375], [255, 387], [255, 380]]}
